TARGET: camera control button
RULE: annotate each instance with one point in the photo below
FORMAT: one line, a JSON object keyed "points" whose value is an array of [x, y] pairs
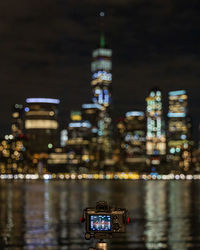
{"points": [[87, 236]]}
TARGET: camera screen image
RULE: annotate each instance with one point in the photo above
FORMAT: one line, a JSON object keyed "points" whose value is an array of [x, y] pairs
{"points": [[100, 223]]}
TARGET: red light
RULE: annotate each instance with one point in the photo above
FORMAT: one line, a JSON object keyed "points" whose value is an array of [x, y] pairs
{"points": [[82, 219], [128, 220]]}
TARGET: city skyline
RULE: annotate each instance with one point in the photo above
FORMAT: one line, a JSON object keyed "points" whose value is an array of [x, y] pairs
{"points": [[141, 56]]}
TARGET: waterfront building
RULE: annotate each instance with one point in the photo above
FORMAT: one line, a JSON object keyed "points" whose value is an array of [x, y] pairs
{"points": [[17, 125], [101, 68], [179, 130], [92, 112], [41, 125], [57, 161], [155, 139], [135, 138], [77, 145], [119, 145]]}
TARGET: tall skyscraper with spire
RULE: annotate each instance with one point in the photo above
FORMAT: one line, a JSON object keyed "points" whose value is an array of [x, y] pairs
{"points": [[101, 68]]}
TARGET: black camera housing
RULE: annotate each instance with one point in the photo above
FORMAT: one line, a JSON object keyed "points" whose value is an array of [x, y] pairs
{"points": [[102, 221]]}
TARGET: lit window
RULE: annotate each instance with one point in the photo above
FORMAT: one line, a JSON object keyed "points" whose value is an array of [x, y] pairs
{"points": [[41, 124]]}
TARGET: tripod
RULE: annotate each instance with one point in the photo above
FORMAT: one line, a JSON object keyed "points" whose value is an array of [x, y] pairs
{"points": [[100, 246]]}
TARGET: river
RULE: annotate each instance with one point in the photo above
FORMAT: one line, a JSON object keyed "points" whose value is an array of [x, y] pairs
{"points": [[45, 214]]}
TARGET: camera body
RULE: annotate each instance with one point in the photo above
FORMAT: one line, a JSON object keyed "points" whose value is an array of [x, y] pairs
{"points": [[102, 221]]}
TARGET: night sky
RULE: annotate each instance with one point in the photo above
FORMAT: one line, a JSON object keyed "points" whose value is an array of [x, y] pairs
{"points": [[46, 46]]}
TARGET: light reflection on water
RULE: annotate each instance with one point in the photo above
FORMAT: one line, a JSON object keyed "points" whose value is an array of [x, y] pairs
{"points": [[45, 214]]}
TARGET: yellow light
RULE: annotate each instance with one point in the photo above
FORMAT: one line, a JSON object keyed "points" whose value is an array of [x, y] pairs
{"points": [[15, 115], [41, 124]]}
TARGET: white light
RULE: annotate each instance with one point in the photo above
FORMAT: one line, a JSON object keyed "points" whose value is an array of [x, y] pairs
{"points": [[94, 130], [63, 137], [85, 124], [134, 113], [102, 13], [102, 64], [43, 100], [47, 176], [102, 52], [10, 137], [103, 75], [91, 106], [183, 137]]}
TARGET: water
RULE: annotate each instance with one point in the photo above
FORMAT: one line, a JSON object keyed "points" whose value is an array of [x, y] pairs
{"points": [[45, 214]]}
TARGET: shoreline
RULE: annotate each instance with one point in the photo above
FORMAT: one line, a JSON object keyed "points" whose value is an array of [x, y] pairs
{"points": [[99, 176]]}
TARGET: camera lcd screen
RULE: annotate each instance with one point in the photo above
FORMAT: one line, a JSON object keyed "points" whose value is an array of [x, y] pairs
{"points": [[100, 223]]}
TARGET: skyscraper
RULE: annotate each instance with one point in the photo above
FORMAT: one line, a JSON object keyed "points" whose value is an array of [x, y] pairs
{"points": [[78, 143], [101, 68], [91, 112], [135, 138], [156, 139], [41, 124], [179, 130]]}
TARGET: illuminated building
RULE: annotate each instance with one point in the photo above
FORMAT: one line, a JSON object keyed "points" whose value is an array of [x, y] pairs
{"points": [[135, 138], [17, 120], [92, 112], [119, 145], [77, 145], [76, 115], [179, 130], [41, 124], [155, 139], [101, 68]]}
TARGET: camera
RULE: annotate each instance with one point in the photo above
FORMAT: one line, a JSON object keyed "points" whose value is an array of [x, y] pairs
{"points": [[102, 221]]}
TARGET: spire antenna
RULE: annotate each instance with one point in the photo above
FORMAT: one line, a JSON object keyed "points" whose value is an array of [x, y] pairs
{"points": [[102, 38]]}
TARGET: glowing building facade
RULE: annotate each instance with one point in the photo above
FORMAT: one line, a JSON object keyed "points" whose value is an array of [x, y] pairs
{"points": [[41, 124], [135, 138], [101, 68], [91, 112], [78, 143], [156, 139], [179, 130]]}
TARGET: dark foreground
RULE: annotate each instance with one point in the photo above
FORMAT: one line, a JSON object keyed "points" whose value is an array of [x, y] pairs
{"points": [[45, 214]]}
